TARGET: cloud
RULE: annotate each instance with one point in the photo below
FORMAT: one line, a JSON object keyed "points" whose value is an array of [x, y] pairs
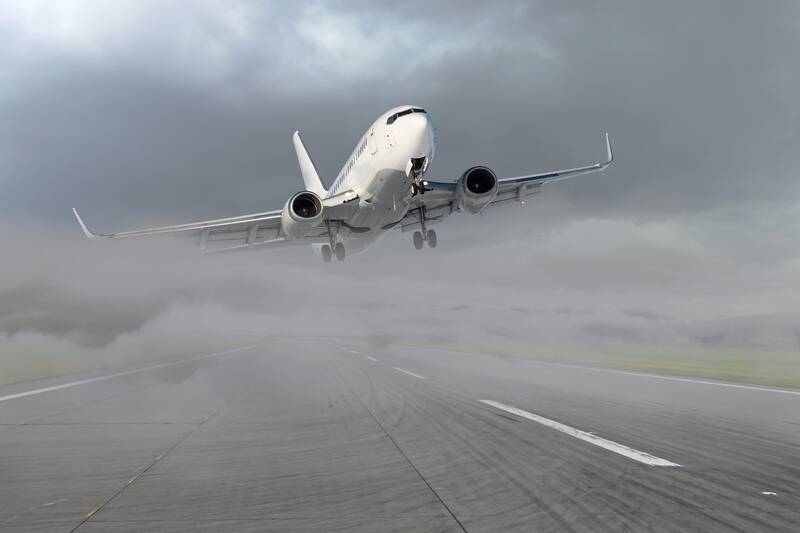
{"points": [[185, 109], [146, 112], [655, 281]]}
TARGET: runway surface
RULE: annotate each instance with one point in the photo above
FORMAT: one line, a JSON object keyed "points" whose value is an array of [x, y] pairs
{"points": [[307, 435]]}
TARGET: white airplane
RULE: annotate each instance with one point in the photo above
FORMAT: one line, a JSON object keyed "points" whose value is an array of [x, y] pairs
{"points": [[381, 187]]}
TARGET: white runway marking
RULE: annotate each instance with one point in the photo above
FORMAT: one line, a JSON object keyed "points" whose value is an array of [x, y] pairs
{"points": [[118, 374], [53, 503], [591, 438], [691, 380], [418, 376], [371, 358], [769, 493]]}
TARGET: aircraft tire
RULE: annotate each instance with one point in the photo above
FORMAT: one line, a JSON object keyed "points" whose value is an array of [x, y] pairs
{"points": [[418, 241], [339, 250], [431, 238]]}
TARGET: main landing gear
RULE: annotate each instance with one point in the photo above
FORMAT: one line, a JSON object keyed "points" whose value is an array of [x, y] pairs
{"points": [[334, 248], [420, 239], [338, 251], [425, 234]]}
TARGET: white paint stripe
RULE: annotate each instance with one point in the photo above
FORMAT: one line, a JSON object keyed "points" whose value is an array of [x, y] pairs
{"points": [[591, 438], [691, 380], [418, 376], [371, 358], [119, 374]]}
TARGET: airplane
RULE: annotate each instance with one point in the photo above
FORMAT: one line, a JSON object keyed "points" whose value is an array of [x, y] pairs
{"points": [[382, 187]]}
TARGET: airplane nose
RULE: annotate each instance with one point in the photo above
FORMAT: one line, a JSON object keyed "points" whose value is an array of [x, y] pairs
{"points": [[415, 123], [418, 128]]}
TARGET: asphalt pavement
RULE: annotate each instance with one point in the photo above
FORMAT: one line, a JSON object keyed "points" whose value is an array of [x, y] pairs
{"points": [[347, 435]]}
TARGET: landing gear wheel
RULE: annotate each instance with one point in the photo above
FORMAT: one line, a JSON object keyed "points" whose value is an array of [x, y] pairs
{"points": [[431, 238], [339, 250], [418, 241], [326, 253]]}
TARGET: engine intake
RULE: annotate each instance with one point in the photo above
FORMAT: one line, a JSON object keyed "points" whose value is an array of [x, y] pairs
{"points": [[477, 187], [306, 205], [301, 213]]}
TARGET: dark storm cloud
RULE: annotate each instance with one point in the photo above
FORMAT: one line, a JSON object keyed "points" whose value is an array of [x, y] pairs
{"points": [[142, 112], [186, 112]]}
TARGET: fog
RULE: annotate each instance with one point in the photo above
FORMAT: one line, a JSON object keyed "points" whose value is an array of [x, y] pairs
{"points": [[143, 116]]}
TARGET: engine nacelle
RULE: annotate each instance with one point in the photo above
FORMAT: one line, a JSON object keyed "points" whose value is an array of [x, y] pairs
{"points": [[300, 214], [476, 189]]}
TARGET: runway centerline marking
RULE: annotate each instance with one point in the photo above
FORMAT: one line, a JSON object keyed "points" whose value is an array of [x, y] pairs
{"points": [[371, 358], [119, 374], [585, 436], [410, 373]]}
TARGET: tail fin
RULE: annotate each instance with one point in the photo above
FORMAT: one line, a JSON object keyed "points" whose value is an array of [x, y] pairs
{"points": [[307, 168]]}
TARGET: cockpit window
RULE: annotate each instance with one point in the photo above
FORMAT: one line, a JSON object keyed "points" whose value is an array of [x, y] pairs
{"points": [[403, 113]]}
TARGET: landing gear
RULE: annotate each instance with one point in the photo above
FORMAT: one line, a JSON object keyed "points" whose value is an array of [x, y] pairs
{"points": [[334, 248], [419, 187], [425, 234], [415, 172], [339, 251], [431, 238], [418, 240]]}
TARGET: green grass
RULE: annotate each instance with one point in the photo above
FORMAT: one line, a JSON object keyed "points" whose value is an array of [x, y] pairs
{"points": [[17, 366], [773, 368]]}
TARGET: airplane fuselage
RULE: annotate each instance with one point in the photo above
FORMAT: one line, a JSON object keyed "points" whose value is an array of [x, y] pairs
{"points": [[393, 153]]}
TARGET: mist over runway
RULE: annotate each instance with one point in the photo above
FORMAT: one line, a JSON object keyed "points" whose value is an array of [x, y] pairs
{"points": [[351, 435]]}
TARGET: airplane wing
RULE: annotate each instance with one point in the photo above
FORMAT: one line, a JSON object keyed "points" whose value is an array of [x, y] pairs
{"points": [[240, 232], [440, 199], [518, 187]]}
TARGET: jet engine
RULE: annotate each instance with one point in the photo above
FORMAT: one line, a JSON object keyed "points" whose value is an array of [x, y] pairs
{"points": [[476, 189], [300, 214]]}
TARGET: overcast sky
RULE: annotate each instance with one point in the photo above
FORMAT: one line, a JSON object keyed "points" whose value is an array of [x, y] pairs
{"points": [[154, 111]]}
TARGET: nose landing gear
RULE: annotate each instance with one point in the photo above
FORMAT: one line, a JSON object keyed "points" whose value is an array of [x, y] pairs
{"points": [[419, 187], [415, 170]]}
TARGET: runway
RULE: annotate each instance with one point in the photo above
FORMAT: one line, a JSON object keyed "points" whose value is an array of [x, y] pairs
{"points": [[315, 435]]}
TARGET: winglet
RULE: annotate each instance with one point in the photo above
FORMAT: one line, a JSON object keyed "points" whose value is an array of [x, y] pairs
{"points": [[89, 234], [609, 153]]}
